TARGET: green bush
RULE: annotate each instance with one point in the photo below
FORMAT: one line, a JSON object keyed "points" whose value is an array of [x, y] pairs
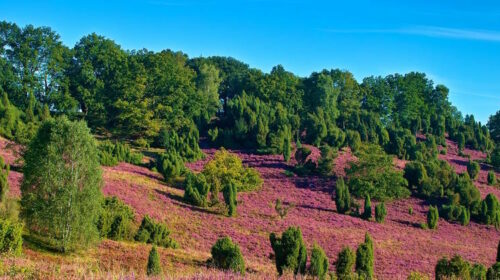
{"points": [[456, 213], [478, 272], [287, 149], [319, 263], [432, 217], [227, 256], [345, 264], [492, 179], [415, 173], [154, 266], [489, 211], [380, 212], [455, 268], [353, 140], [327, 161], [182, 140], [417, 276], [282, 210], [196, 189], [229, 192], [111, 154], [410, 210], [116, 220], [367, 212], [342, 197], [11, 240], [473, 169], [170, 165], [289, 251], [4, 180], [493, 272], [365, 259], [154, 233]]}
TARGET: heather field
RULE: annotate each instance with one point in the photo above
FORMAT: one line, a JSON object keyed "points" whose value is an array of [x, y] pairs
{"points": [[401, 246]]}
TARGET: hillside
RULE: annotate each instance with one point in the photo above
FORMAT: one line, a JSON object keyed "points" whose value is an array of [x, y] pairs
{"points": [[401, 246]]}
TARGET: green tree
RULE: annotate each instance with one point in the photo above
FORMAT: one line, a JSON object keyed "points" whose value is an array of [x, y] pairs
{"points": [[287, 149], [227, 256], [494, 126], [289, 251], [478, 272], [380, 212], [342, 197], [11, 240], [493, 272], [473, 169], [230, 191], [116, 219], [367, 212], [61, 189], [455, 268], [461, 142], [154, 233], [154, 266], [432, 217], [319, 263], [492, 180], [4, 180], [365, 259], [345, 264], [489, 211]]}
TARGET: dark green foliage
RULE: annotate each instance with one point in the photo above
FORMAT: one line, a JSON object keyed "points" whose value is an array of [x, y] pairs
{"points": [[345, 264], [111, 154], [319, 263], [374, 175], [478, 272], [154, 266], [415, 173], [461, 142], [11, 240], [342, 197], [327, 161], [287, 149], [365, 259], [367, 212], [466, 193], [196, 189], [432, 217], [230, 191], [353, 139], [116, 220], [455, 268], [301, 155], [154, 233], [304, 165], [489, 211], [492, 179], [456, 213], [62, 159], [495, 157], [493, 272], [183, 141], [227, 256], [4, 180], [473, 169], [170, 165], [282, 210], [289, 251], [380, 212]]}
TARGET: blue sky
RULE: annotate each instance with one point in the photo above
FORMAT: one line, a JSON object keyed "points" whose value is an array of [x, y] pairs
{"points": [[457, 43]]}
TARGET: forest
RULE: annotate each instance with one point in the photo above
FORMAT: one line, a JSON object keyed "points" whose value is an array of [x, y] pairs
{"points": [[77, 112]]}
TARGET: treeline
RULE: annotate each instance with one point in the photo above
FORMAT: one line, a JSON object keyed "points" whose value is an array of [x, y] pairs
{"points": [[168, 100]]}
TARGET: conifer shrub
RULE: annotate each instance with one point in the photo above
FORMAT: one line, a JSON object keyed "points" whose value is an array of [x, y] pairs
{"points": [[289, 251], [345, 264], [492, 179], [4, 180], [319, 263], [110, 154], [116, 220], [456, 213], [353, 139], [493, 272], [11, 240], [170, 165], [455, 268], [473, 169], [489, 211], [153, 267], [342, 197], [417, 276], [365, 259], [415, 173], [227, 256], [281, 209], [154, 233], [327, 161], [196, 189], [478, 272], [229, 192], [367, 212], [432, 217], [287, 149], [380, 212]]}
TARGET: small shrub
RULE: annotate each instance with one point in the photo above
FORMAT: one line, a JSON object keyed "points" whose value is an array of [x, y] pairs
{"points": [[367, 213], [288, 173], [326, 161], [432, 217], [478, 272], [111, 153], [455, 268], [196, 189], [410, 210], [364, 258], [493, 272], [443, 151], [227, 256], [415, 173], [170, 165], [473, 169], [154, 233], [492, 179], [380, 212], [342, 197], [230, 191], [319, 263], [154, 267], [11, 240], [345, 264], [287, 149], [417, 276], [4, 180], [282, 210], [353, 139], [456, 213], [489, 211], [289, 251], [116, 219]]}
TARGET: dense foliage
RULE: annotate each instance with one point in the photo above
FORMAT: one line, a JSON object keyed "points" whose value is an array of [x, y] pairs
{"points": [[289, 251], [345, 264], [432, 217], [319, 263], [380, 212], [365, 259], [111, 154], [342, 197], [154, 233], [153, 267], [116, 220], [227, 256], [61, 188]]}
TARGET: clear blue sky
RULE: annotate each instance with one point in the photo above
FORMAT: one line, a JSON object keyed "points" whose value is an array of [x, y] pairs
{"points": [[457, 43]]}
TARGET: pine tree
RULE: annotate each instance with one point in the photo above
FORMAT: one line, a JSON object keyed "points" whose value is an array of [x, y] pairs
{"points": [[345, 264], [364, 258], [319, 262], [4, 180], [342, 197], [229, 193], [287, 149], [227, 256], [380, 212], [367, 214], [289, 251], [154, 266], [432, 217]]}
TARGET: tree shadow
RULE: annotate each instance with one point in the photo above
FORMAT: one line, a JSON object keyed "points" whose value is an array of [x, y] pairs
{"points": [[407, 223], [305, 206], [179, 201]]}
